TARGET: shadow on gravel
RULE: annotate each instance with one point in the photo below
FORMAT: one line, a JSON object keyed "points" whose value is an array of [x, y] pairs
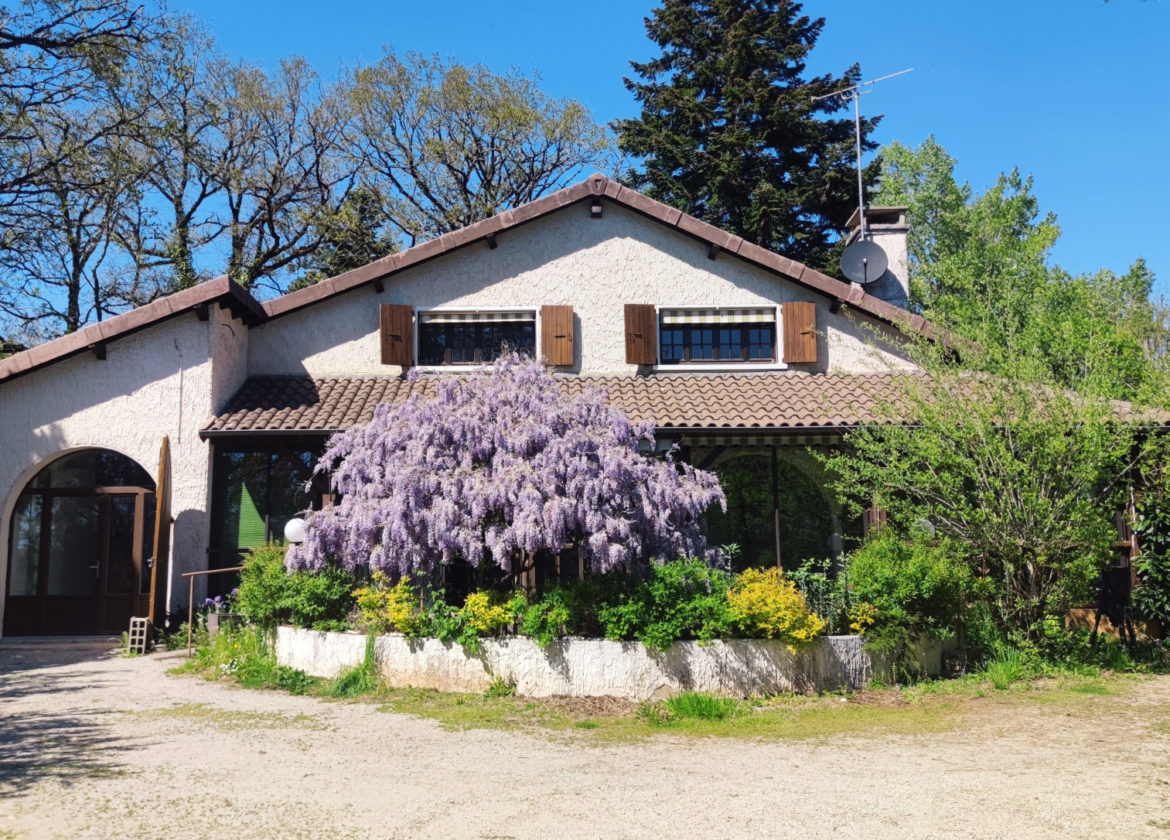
{"points": [[36, 747], [28, 672]]}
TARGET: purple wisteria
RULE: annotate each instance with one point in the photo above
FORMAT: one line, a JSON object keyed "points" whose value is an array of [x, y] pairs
{"points": [[502, 464]]}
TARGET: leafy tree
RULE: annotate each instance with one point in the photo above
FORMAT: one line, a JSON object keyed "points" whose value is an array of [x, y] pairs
{"points": [[1152, 596], [451, 145], [1025, 478], [729, 131], [500, 466], [981, 266], [351, 237]]}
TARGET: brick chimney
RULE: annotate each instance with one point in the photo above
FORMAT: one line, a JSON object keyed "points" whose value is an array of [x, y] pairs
{"points": [[887, 227]]}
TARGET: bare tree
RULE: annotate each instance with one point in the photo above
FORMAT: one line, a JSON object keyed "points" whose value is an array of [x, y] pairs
{"points": [[59, 54], [173, 144], [62, 258], [279, 164]]}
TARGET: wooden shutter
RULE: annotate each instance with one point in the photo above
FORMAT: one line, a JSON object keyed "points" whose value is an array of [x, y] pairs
{"points": [[397, 330], [873, 518], [556, 334], [641, 334], [162, 532], [800, 332]]}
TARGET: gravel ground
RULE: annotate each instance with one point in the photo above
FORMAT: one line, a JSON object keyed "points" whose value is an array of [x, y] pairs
{"points": [[93, 745]]}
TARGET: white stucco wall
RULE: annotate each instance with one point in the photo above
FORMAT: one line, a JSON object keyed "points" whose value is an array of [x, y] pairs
{"points": [[156, 382], [596, 265], [599, 667]]}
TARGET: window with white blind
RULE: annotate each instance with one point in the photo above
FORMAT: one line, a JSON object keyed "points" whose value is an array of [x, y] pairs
{"points": [[474, 338], [717, 335]]}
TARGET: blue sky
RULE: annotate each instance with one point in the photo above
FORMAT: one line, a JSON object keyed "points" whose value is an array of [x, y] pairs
{"points": [[1075, 92]]}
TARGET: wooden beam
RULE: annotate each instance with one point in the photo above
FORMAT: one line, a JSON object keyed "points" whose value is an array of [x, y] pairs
{"points": [[492, 244], [99, 350], [379, 286], [202, 311]]}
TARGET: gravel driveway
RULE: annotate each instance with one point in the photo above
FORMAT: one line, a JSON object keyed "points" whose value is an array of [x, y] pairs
{"points": [[93, 745]]}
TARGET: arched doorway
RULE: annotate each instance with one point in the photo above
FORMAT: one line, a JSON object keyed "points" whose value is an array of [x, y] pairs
{"points": [[81, 531]]}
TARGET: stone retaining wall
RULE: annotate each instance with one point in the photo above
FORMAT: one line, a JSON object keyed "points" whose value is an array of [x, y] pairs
{"points": [[598, 667]]}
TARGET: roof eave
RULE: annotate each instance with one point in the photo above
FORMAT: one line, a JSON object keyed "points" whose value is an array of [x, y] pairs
{"points": [[221, 291]]}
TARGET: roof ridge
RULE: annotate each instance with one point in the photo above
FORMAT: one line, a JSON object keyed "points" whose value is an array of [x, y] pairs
{"points": [[598, 186]]}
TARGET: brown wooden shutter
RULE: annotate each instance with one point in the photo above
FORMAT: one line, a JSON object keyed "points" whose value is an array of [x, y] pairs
{"points": [[873, 518], [162, 534], [641, 334], [556, 334], [800, 332], [397, 330]]}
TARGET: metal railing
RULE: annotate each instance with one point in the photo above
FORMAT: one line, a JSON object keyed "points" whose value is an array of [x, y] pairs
{"points": [[191, 599]]}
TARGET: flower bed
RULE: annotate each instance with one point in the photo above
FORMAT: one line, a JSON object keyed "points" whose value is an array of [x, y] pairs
{"points": [[600, 667]]}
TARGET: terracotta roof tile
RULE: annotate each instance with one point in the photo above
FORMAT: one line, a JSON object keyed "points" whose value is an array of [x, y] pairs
{"points": [[787, 400]]}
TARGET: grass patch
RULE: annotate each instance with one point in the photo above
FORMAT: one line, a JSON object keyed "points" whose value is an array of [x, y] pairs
{"points": [[1007, 668], [359, 680], [693, 705], [1089, 688], [224, 719]]}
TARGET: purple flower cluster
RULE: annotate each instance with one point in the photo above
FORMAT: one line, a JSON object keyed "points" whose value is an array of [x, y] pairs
{"points": [[502, 463]]}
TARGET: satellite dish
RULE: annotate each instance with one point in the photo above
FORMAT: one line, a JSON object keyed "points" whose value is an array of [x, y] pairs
{"points": [[864, 262]]}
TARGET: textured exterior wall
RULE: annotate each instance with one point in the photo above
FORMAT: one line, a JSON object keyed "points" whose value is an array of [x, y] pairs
{"points": [[596, 667], [153, 383], [596, 265], [229, 352]]}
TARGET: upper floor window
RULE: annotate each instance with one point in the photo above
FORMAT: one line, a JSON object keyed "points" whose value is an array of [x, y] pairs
{"points": [[717, 335], [473, 338]]}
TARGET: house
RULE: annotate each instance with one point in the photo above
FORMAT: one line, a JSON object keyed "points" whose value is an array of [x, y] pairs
{"points": [[741, 357]]}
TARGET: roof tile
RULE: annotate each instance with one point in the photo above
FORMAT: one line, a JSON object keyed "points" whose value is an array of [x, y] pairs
{"points": [[773, 400]]}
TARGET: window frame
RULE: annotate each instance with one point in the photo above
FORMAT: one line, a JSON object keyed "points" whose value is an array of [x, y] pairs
{"points": [[721, 365], [455, 367]]}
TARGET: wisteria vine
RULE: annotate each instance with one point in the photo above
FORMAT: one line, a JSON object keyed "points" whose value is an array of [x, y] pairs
{"points": [[502, 464]]}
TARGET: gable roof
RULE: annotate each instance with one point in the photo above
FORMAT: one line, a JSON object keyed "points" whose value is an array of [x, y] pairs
{"points": [[788, 401], [597, 187], [221, 291], [600, 187]]}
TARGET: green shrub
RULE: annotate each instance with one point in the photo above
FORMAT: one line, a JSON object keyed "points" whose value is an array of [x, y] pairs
{"points": [[546, 618], [1151, 599], [568, 609], [915, 585], [500, 688], [269, 595], [825, 593], [684, 599]]}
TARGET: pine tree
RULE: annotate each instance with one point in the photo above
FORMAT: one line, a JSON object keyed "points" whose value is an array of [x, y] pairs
{"points": [[729, 131]]}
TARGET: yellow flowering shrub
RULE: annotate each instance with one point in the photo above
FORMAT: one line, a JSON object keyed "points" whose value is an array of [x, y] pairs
{"points": [[862, 617], [484, 614], [766, 604], [385, 607]]}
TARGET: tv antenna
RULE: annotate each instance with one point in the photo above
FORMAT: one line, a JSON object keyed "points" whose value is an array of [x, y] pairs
{"points": [[855, 92]]}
